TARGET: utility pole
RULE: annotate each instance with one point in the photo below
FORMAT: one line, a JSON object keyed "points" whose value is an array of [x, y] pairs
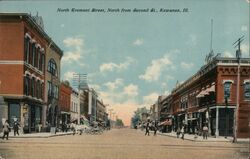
{"points": [[238, 56], [226, 110], [78, 80]]}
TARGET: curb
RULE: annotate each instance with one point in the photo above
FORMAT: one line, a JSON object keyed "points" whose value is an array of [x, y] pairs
{"points": [[244, 141], [48, 136]]}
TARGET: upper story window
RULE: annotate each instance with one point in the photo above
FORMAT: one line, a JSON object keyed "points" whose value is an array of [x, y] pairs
{"points": [[27, 48], [227, 89], [33, 52], [43, 61], [33, 87], [52, 68], [27, 85], [247, 90]]}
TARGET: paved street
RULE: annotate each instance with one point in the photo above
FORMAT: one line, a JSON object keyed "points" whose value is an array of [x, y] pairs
{"points": [[118, 144]]}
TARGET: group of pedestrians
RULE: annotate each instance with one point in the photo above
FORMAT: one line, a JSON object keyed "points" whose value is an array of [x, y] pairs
{"points": [[181, 131], [7, 129], [149, 126]]}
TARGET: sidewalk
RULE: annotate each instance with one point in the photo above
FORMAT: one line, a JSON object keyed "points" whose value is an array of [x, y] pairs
{"points": [[190, 137], [37, 135]]}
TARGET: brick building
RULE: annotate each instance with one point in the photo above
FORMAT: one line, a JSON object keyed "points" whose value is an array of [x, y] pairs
{"points": [[22, 69], [209, 97], [64, 102]]}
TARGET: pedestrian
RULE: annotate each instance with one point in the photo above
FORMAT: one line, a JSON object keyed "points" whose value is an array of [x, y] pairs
{"points": [[6, 130], [195, 132], [182, 132], [178, 132], [147, 128], [72, 127], [205, 131], [155, 129], [16, 128]]}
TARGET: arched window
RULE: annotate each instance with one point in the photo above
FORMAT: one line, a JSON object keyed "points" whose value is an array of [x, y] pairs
{"points": [[27, 85], [33, 87], [52, 68], [42, 61], [38, 59], [38, 89], [33, 54], [27, 48]]}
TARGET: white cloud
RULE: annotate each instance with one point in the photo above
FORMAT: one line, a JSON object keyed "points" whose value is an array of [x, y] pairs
{"points": [[186, 65], [150, 99], [243, 28], [62, 25], [245, 50], [138, 42], [69, 75], [114, 85], [228, 54], [113, 66], [153, 72], [76, 51], [73, 41], [131, 90]]}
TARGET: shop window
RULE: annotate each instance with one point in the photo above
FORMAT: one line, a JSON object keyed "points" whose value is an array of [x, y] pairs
{"points": [[14, 113], [247, 90]]}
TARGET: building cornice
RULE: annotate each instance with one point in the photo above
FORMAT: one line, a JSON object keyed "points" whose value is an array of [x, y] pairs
{"points": [[31, 21], [218, 61]]}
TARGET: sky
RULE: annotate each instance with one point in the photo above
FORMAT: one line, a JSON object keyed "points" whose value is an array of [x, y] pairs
{"points": [[131, 58]]}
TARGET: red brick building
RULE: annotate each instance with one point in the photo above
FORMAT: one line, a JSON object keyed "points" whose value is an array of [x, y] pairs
{"points": [[22, 69], [209, 97], [64, 101]]}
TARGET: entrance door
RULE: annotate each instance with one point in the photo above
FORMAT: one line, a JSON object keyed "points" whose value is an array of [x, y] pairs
{"points": [[14, 113], [33, 118]]}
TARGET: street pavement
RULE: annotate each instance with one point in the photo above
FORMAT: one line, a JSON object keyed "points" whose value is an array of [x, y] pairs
{"points": [[119, 144]]}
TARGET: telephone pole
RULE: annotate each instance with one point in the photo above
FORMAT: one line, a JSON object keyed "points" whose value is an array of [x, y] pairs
{"points": [[238, 56]]}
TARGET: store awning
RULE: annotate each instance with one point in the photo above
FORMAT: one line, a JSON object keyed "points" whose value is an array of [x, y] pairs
{"points": [[166, 122], [84, 118], [192, 118], [211, 89], [206, 91], [203, 110], [202, 93]]}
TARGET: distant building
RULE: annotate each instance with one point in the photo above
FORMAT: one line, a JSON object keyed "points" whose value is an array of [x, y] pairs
{"points": [[75, 107]]}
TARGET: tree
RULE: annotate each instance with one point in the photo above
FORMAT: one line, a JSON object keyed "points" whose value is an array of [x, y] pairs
{"points": [[119, 122]]}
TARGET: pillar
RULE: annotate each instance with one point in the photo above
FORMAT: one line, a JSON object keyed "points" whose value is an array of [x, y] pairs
{"points": [[44, 115], [217, 122]]}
